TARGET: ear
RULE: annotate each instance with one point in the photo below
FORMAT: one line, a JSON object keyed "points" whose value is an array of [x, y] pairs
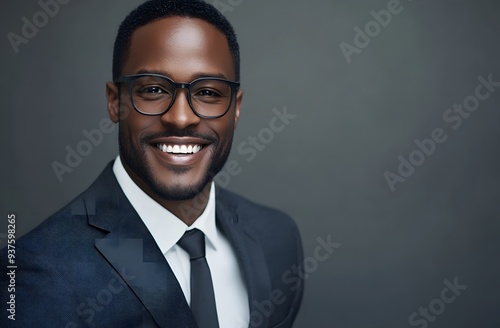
{"points": [[239, 99], [112, 94]]}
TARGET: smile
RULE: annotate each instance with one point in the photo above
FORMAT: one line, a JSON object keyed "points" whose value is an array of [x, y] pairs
{"points": [[179, 149]]}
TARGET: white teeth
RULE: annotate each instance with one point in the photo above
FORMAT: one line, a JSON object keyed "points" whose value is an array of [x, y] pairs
{"points": [[182, 149]]}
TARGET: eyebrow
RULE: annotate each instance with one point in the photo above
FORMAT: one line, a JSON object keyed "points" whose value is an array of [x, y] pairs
{"points": [[196, 75]]}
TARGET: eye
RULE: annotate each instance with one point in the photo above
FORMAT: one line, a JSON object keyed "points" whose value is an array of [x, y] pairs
{"points": [[153, 89], [210, 91], [152, 92], [207, 93]]}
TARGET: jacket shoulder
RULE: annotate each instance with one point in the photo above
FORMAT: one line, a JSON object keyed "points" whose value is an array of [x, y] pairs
{"points": [[69, 225], [254, 214]]}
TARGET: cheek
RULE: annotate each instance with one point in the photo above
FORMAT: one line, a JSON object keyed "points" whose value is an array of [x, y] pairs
{"points": [[129, 131], [134, 125], [131, 119], [224, 127], [126, 109]]}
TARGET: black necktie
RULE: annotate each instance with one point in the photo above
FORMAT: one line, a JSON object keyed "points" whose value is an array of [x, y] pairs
{"points": [[202, 290]]}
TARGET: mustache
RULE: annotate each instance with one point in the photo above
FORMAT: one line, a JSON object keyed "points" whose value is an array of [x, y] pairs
{"points": [[146, 138]]}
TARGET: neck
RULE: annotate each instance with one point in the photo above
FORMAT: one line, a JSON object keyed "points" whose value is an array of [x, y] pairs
{"points": [[185, 210], [188, 210]]}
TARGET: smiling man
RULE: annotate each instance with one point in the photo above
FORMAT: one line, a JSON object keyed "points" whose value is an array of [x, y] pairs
{"points": [[154, 242]]}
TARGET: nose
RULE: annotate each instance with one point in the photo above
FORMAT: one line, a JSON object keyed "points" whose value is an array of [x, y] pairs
{"points": [[180, 113]]}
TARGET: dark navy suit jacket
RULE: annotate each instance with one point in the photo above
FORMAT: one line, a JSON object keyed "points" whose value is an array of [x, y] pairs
{"points": [[95, 264]]}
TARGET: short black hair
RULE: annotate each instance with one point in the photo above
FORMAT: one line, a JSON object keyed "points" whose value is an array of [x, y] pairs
{"points": [[154, 10]]}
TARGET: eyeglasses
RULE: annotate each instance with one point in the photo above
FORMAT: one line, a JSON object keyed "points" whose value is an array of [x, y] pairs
{"points": [[154, 94]]}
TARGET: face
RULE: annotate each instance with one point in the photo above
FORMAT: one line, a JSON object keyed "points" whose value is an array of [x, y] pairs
{"points": [[182, 49]]}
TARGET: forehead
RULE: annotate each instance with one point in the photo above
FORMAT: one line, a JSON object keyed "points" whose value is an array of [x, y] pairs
{"points": [[181, 48]]}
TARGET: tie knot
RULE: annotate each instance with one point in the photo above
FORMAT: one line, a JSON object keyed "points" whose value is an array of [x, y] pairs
{"points": [[193, 242]]}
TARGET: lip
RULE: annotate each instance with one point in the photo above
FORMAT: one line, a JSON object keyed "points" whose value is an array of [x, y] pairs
{"points": [[179, 141], [180, 160]]}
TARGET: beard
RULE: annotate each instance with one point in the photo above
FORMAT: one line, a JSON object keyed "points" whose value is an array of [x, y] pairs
{"points": [[136, 159]]}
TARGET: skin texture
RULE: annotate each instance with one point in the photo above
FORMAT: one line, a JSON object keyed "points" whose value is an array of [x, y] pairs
{"points": [[183, 49]]}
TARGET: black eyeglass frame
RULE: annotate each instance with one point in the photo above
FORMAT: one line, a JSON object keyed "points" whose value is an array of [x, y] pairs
{"points": [[131, 78]]}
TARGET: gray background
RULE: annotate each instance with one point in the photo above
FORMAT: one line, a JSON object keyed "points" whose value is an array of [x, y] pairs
{"points": [[326, 168]]}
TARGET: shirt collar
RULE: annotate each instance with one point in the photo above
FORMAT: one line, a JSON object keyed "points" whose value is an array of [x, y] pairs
{"points": [[164, 226]]}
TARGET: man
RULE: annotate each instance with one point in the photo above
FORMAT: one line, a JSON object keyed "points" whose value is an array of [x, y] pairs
{"points": [[153, 242]]}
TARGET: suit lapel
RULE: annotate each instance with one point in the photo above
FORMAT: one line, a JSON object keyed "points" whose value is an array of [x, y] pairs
{"points": [[133, 253], [248, 252]]}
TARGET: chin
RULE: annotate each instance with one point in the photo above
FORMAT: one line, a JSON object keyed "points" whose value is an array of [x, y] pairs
{"points": [[178, 187]]}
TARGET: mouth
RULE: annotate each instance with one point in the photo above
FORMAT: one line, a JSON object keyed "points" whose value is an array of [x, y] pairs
{"points": [[177, 149], [180, 151]]}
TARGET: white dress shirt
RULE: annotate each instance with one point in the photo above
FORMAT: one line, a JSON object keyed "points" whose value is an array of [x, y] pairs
{"points": [[230, 291]]}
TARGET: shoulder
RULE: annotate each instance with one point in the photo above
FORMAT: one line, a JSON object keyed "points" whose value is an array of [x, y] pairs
{"points": [[68, 227], [277, 237], [56, 241], [253, 214], [272, 228]]}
